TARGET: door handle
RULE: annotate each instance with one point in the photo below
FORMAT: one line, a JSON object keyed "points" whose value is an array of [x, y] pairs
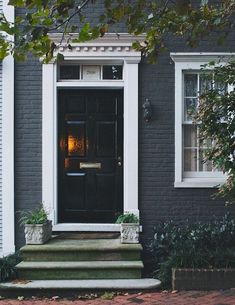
{"points": [[119, 161]]}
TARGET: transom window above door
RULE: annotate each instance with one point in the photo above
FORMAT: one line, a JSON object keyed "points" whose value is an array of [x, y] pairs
{"points": [[72, 71]]}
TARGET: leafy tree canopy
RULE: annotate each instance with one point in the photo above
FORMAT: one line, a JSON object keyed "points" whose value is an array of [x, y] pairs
{"points": [[216, 117], [155, 18]]}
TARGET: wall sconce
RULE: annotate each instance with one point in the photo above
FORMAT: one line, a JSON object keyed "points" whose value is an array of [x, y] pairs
{"points": [[148, 111]]}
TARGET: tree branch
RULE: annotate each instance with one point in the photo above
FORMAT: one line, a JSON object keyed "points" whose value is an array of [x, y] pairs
{"points": [[66, 22]]}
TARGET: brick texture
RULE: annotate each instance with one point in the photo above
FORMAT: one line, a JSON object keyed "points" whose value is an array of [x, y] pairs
{"points": [[155, 298], [203, 279], [158, 199], [28, 139]]}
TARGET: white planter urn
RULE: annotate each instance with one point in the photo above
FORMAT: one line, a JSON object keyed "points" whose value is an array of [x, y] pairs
{"points": [[130, 233], [38, 234]]}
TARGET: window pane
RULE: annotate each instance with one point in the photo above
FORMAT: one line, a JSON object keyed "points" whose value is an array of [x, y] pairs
{"points": [[190, 136], [190, 85], [190, 107], [112, 72], [222, 87], [190, 160], [206, 143], [205, 83], [204, 166], [76, 139], [69, 72]]}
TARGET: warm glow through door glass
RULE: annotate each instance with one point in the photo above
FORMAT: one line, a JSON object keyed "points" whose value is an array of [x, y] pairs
{"points": [[75, 145]]}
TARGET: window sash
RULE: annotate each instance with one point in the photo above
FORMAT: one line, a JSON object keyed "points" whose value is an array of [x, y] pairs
{"points": [[192, 154]]}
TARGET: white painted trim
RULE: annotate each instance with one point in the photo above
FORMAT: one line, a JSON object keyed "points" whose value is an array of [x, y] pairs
{"points": [[183, 62], [93, 84], [48, 139], [8, 146], [87, 227], [130, 60], [201, 57], [199, 183], [131, 138]]}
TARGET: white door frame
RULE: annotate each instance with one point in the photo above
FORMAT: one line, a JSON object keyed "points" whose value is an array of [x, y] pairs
{"points": [[108, 50]]}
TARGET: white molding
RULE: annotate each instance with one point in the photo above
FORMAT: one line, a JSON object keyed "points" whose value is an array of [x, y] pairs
{"points": [[89, 84], [191, 61], [111, 46], [8, 216], [131, 138], [87, 227], [178, 123], [118, 38], [48, 154], [130, 60], [200, 183], [202, 57]]}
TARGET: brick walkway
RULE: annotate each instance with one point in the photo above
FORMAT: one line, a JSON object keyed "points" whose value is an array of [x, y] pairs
{"points": [[158, 298]]}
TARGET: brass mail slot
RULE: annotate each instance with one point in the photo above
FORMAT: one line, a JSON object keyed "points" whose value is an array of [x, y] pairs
{"points": [[90, 165]]}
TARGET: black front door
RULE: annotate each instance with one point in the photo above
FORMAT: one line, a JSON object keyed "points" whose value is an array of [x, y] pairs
{"points": [[90, 155]]}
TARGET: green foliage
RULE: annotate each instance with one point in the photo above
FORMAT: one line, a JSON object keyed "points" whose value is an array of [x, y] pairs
{"points": [[127, 218], [7, 266], [157, 19], [192, 245], [216, 117], [108, 295], [37, 216]]}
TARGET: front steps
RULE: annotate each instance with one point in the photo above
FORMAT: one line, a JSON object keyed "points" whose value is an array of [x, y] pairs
{"points": [[69, 266], [74, 287], [80, 270], [74, 259], [82, 250]]}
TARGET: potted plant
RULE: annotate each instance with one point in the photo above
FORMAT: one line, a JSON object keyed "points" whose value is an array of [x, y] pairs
{"points": [[129, 228], [37, 226]]}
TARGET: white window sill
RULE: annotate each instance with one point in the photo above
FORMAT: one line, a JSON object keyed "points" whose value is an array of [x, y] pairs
{"points": [[199, 183]]}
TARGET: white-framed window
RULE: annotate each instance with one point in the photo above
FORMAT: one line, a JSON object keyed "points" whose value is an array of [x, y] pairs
{"points": [[190, 169]]}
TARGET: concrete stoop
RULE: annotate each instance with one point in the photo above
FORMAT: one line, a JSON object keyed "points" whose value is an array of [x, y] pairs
{"points": [[66, 265], [79, 259], [74, 287], [80, 270]]}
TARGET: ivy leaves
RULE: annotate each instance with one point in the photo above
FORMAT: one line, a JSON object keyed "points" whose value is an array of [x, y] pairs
{"points": [[216, 116]]}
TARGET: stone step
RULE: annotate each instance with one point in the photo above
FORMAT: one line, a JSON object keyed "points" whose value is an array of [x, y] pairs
{"points": [[73, 287], [79, 270], [82, 250]]}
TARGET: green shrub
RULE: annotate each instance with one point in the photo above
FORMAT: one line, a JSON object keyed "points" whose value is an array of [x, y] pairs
{"points": [[127, 218], [37, 216], [7, 266], [192, 245]]}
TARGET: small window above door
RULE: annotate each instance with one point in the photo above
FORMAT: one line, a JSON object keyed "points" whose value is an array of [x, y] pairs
{"points": [[72, 71]]}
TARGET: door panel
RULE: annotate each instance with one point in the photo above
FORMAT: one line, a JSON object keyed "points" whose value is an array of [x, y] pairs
{"points": [[105, 200], [105, 137], [75, 188], [90, 154]]}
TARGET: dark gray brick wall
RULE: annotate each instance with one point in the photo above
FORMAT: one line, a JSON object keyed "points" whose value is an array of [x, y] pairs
{"points": [[158, 199], [28, 139]]}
